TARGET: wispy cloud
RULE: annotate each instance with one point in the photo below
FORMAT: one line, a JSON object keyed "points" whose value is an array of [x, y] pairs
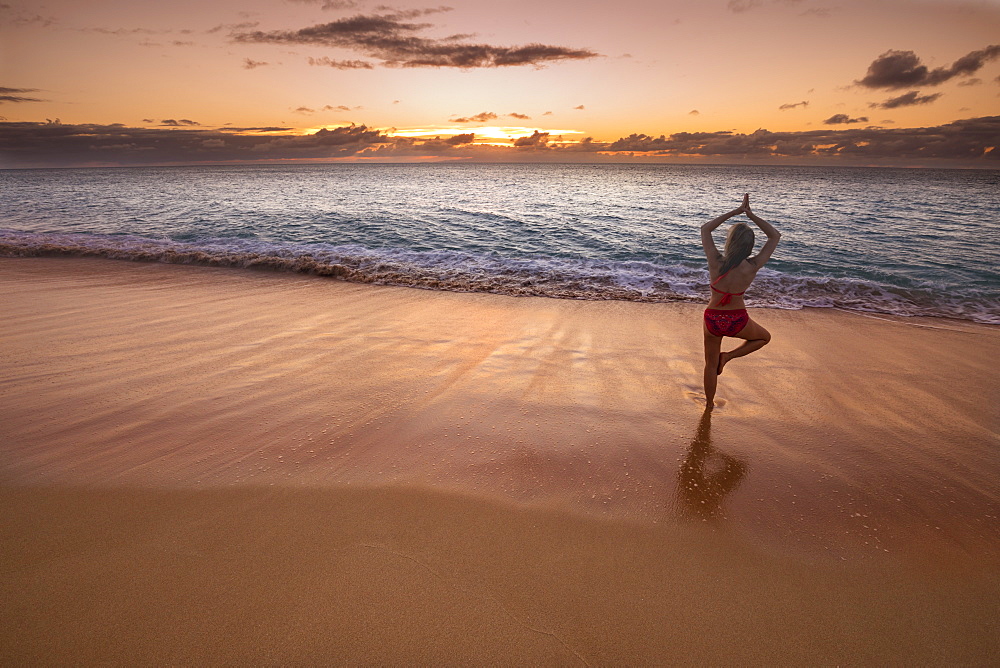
{"points": [[396, 41], [121, 32], [905, 100], [17, 95], [249, 64], [329, 4], [341, 64], [793, 105], [904, 69], [16, 16], [481, 117], [741, 6], [233, 26], [844, 119], [184, 122]]}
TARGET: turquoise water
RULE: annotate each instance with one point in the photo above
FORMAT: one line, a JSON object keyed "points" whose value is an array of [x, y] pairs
{"points": [[899, 241]]}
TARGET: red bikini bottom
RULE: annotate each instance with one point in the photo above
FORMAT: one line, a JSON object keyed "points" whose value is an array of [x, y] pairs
{"points": [[729, 322]]}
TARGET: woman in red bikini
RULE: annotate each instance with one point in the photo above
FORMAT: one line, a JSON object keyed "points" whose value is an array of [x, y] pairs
{"points": [[732, 273]]}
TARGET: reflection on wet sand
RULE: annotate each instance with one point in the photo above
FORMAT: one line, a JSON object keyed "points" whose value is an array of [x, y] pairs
{"points": [[707, 475]]}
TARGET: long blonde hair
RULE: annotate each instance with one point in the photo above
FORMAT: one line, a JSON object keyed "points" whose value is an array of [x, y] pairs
{"points": [[739, 245]]}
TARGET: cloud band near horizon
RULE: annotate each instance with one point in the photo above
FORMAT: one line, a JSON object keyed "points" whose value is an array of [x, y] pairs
{"points": [[36, 144]]}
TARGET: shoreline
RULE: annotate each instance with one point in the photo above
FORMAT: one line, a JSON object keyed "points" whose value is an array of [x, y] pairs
{"points": [[466, 272], [172, 429]]}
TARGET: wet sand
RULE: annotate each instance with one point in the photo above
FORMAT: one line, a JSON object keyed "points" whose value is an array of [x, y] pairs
{"points": [[212, 465]]}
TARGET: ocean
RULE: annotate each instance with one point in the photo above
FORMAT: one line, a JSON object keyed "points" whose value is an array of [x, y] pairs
{"points": [[905, 242]]}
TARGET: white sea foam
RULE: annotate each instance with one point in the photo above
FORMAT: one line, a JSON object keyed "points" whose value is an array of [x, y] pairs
{"points": [[912, 242], [568, 278]]}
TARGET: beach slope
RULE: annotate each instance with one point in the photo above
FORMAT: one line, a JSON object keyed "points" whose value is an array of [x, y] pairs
{"points": [[203, 465]]}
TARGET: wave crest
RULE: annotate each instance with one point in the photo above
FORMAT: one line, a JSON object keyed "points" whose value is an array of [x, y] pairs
{"points": [[565, 278]]}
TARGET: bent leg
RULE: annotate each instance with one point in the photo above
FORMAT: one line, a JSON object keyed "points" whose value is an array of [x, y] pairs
{"points": [[713, 346], [755, 337]]}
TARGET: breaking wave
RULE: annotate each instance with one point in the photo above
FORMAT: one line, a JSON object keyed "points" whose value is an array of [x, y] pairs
{"points": [[542, 276]]}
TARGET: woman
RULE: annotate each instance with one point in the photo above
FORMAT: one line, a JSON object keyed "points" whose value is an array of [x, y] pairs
{"points": [[732, 273]]}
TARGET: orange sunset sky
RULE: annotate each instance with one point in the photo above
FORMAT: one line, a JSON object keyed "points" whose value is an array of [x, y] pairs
{"points": [[881, 82]]}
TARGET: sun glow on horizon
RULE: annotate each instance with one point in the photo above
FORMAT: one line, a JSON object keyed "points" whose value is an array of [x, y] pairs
{"points": [[489, 132]]}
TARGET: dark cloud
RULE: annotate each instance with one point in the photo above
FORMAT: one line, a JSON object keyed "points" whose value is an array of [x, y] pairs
{"points": [[536, 140], [339, 107], [478, 118], [906, 100], [844, 119], [249, 64], [793, 105], [694, 112], [522, 117], [393, 39], [585, 145], [341, 64], [580, 107], [54, 144], [170, 122], [971, 82], [17, 95], [903, 69], [970, 139], [257, 129], [458, 140], [303, 110], [148, 120]]}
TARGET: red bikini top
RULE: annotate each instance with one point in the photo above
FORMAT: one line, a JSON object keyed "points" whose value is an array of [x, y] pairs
{"points": [[726, 296]]}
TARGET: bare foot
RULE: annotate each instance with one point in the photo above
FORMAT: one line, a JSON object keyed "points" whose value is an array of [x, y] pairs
{"points": [[722, 362]]}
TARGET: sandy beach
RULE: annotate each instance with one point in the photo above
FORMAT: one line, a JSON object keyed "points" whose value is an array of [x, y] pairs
{"points": [[207, 465]]}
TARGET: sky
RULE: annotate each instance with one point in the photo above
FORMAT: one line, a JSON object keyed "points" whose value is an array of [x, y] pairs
{"points": [[852, 82]]}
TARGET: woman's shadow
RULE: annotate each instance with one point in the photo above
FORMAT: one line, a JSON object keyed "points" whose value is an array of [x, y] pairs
{"points": [[707, 475]]}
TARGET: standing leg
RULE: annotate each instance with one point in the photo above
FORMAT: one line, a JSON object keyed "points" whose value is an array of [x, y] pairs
{"points": [[713, 346]]}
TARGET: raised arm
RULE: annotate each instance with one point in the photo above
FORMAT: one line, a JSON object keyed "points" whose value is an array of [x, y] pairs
{"points": [[711, 252], [767, 228]]}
